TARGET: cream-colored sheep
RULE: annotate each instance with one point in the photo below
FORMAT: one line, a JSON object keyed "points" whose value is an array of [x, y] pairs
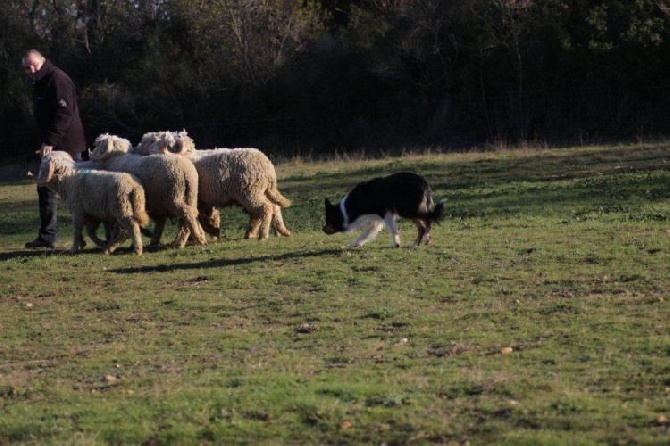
{"points": [[170, 183], [244, 177], [96, 196]]}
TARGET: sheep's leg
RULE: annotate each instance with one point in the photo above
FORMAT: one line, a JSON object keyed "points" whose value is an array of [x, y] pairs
{"points": [[188, 224], [109, 227], [158, 230], [147, 232], [78, 222], [190, 218], [259, 224], [91, 231], [266, 220], [254, 227], [137, 239], [195, 229], [260, 212], [278, 222], [125, 228], [120, 235], [182, 234], [198, 232], [210, 220]]}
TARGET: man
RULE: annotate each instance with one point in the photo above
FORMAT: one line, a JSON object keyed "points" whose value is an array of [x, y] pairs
{"points": [[59, 128]]}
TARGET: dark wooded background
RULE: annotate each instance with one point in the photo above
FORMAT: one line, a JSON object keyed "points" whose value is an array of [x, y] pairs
{"points": [[314, 76]]}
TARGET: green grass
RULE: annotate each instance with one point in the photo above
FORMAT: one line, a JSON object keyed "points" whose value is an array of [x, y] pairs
{"points": [[563, 256]]}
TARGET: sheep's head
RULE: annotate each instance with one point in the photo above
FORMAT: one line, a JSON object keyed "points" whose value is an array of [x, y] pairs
{"points": [[151, 143], [107, 145], [184, 145], [54, 167], [163, 142]]}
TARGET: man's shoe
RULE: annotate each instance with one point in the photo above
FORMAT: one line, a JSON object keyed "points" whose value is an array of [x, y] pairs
{"points": [[39, 243]]}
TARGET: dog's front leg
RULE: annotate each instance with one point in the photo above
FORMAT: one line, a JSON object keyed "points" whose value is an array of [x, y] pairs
{"points": [[369, 233], [390, 220]]}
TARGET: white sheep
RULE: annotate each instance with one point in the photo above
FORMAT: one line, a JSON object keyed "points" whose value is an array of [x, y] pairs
{"points": [[244, 177], [170, 183], [96, 196]]}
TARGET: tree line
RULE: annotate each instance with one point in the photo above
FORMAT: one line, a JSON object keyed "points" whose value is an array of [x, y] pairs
{"points": [[314, 76]]}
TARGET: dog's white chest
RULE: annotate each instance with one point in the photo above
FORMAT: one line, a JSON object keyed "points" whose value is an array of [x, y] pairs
{"points": [[363, 222]]}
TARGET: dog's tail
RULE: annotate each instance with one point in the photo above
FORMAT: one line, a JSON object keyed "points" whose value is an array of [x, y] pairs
{"points": [[436, 215]]}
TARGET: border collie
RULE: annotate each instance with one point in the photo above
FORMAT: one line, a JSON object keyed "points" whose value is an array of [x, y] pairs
{"points": [[378, 202]]}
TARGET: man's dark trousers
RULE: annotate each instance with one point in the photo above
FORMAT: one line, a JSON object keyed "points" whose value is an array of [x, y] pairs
{"points": [[48, 205]]}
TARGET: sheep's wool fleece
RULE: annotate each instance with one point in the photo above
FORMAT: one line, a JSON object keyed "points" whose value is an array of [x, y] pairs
{"points": [[170, 183], [165, 178], [102, 195], [227, 174]]}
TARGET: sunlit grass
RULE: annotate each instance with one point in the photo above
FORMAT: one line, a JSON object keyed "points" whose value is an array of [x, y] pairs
{"points": [[539, 315]]}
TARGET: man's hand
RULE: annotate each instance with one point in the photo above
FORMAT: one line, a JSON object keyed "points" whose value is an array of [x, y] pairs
{"points": [[46, 150]]}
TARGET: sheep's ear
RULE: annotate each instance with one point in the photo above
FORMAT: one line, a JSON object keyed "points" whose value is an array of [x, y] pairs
{"points": [[98, 147], [104, 147], [123, 145], [116, 145], [48, 176], [149, 147], [178, 146], [144, 146], [58, 169], [183, 145]]}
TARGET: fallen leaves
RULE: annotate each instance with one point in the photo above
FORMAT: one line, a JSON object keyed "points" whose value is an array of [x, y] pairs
{"points": [[306, 328], [506, 350], [346, 425]]}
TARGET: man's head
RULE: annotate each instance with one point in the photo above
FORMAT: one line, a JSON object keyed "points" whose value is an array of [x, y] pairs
{"points": [[32, 62]]}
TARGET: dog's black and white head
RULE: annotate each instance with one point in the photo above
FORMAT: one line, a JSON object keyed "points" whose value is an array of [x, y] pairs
{"points": [[334, 218]]}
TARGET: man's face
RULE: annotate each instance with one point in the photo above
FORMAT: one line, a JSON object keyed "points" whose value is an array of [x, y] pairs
{"points": [[32, 65]]}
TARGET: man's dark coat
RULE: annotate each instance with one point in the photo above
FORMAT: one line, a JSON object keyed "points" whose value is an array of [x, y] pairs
{"points": [[56, 111]]}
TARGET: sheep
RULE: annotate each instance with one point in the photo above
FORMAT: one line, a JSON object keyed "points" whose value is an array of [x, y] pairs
{"points": [[96, 196], [170, 183], [228, 177], [243, 177]]}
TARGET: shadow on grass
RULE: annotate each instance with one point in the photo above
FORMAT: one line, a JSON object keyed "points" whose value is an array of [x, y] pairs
{"points": [[26, 253], [35, 252], [213, 263], [63, 251]]}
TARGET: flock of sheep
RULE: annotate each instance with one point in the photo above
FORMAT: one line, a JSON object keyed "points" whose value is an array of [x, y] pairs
{"points": [[164, 176]]}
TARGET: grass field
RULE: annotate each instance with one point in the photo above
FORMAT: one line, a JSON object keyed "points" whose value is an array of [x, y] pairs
{"points": [[539, 315]]}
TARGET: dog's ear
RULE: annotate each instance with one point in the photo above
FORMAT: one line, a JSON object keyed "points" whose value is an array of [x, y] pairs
{"points": [[328, 203]]}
